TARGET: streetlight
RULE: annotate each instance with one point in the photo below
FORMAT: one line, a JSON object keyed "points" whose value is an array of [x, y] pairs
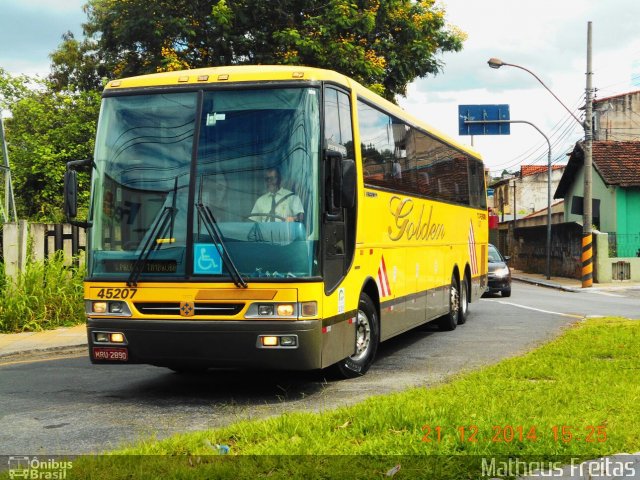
{"points": [[483, 122], [497, 63], [586, 257]]}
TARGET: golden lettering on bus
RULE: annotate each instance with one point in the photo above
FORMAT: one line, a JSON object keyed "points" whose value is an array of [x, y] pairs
{"points": [[411, 226]]}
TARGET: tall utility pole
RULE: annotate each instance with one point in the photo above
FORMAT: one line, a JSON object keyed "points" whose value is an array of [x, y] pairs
{"points": [[9, 204], [587, 252]]}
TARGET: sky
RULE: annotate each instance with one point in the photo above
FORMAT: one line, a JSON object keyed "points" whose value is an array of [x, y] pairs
{"points": [[548, 37]]}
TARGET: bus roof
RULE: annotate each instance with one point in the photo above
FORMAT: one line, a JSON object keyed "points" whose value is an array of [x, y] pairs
{"points": [[273, 73]]}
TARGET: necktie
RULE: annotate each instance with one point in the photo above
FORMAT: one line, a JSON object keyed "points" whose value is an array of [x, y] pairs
{"points": [[273, 208]]}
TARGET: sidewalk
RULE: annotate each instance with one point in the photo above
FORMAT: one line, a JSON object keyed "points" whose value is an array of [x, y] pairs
{"points": [[569, 284], [34, 343], [63, 340]]}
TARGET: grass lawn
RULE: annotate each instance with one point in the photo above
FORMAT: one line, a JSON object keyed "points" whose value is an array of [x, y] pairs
{"points": [[576, 397]]}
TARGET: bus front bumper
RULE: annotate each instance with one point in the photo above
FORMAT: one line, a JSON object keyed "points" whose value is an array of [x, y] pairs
{"points": [[204, 344]]}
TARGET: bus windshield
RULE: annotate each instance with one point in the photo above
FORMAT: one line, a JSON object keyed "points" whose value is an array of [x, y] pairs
{"points": [[207, 185]]}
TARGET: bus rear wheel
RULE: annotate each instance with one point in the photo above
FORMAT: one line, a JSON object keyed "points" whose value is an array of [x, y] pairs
{"points": [[367, 337], [450, 320], [464, 301]]}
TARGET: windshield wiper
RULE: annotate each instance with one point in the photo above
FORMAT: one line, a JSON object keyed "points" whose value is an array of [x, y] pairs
{"points": [[210, 223], [160, 227]]}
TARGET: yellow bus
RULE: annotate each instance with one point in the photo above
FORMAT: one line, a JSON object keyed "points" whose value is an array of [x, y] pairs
{"points": [[272, 217]]}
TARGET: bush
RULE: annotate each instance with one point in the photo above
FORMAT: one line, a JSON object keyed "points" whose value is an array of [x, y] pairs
{"points": [[47, 294]]}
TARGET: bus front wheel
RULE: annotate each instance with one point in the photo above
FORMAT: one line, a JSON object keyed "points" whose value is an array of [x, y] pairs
{"points": [[367, 337]]}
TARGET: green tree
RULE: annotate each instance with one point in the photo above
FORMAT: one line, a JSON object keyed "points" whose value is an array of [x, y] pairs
{"points": [[11, 88], [46, 130], [384, 44], [76, 65]]}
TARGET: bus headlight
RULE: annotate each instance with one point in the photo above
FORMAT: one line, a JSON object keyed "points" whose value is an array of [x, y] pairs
{"points": [[114, 308], [273, 310], [99, 307], [285, 310], [277, 341], [288, 340], [117, 307], [265, 310], [109, 337]]}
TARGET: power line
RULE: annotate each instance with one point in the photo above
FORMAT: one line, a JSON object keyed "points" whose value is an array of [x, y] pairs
{"points": [[560, 131]]}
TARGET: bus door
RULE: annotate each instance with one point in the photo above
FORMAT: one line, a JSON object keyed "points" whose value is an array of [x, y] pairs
{"points": [[338, 222]]}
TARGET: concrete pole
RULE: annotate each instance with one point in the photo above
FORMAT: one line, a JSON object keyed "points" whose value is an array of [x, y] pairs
{"points": [[587, 219]]}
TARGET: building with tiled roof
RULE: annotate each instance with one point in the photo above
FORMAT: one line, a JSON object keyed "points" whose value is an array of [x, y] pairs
{"points": [[526, 192], [615, 191], [526, 170]]}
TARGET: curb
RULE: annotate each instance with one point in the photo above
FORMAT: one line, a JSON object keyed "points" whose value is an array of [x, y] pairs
{"points": [[41, 352], [546, 283]]}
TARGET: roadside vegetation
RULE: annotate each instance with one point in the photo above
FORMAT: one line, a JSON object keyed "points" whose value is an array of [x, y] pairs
{"points": [[45, 295], [575, 397]]}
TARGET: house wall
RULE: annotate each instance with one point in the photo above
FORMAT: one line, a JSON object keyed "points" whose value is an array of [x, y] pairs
{"points": [[530, 191], [604, 265], [628, 232], [529, 252], [503, 197], [617, 118], [606, 195], [533, 190], [628, 201]]}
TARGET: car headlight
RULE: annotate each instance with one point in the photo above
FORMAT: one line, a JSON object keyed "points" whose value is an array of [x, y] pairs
{"points": [[502, 272]]}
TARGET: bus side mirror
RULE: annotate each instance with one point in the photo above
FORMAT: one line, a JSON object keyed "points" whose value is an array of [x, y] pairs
{"points": [[70, 194], [348, 183], [71, 191], [342, 182]]}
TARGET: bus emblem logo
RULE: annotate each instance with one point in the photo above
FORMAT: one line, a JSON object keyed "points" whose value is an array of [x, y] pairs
{"points": [[187, 309]]}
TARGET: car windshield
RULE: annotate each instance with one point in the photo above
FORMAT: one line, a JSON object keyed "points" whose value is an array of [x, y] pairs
{"points": [[494, 255], [177, 194]]}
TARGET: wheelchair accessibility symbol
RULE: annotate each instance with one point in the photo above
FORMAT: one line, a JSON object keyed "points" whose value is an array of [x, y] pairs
{"points": [[206, 259]]}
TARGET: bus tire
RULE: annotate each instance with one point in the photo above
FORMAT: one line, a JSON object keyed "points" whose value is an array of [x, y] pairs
{"points": [[464, 301], [367, 337], [449, 322]]}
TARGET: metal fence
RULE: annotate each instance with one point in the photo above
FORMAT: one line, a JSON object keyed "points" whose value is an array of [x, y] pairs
{"points": [[22, 241]]}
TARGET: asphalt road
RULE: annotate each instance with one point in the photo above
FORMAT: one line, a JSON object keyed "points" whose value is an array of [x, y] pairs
{"points": [[68, 406]]}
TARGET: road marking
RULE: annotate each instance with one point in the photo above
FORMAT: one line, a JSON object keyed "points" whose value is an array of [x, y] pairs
{"points": [[540, 310], [607, 294]]}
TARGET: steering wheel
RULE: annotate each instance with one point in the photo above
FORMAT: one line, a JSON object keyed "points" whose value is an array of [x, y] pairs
{"points": [[268, 215]]}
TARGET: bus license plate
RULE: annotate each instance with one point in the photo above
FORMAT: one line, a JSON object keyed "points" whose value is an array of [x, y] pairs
{"points": [[110, 353]]}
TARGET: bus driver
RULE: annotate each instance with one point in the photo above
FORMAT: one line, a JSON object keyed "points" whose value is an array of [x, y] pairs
{"points": [[278, 204]]}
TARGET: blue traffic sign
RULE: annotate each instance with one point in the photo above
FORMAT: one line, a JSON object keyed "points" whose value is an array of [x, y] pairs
{"points": [[483, 120]]}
